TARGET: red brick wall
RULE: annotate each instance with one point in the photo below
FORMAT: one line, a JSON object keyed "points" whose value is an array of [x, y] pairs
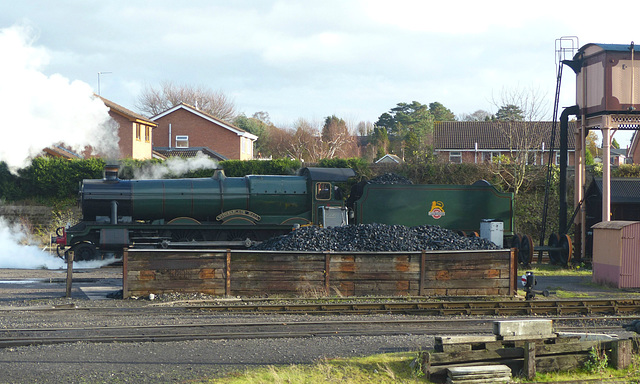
{"points": [[201, 132], [125, 133], [635, 155]]}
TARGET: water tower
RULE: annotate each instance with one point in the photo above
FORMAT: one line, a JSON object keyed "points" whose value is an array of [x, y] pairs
{"points": [[608, 99]]}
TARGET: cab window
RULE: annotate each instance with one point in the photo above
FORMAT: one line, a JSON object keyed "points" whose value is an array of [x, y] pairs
{"points": [[323, 191]]}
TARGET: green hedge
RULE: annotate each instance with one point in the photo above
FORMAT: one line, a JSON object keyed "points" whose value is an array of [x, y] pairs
{"points": [[239, 168], [56, 178]]}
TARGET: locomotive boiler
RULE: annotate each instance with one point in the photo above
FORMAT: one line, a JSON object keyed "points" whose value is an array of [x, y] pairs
{"points": [[218, 211]]}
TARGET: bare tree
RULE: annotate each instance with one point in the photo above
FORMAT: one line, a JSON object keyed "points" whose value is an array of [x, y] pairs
{"points": [[306, 144], [523, 135], [479, 115], [153, 101], [337, 140]]}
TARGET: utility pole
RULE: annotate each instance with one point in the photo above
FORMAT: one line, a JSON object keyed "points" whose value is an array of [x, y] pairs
{"points": [[101, 73]]}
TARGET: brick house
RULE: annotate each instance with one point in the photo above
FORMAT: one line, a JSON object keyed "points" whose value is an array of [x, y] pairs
{"points": [[483, 141], [135, 131], [184, 126], [633, 153]]}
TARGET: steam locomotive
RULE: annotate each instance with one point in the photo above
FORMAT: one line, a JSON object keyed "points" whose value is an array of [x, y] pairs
{"points": [[223, 212]]}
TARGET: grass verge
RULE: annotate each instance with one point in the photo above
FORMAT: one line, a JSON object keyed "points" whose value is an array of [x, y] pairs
{"points": [[555, 270], [379, 369], [399, 368]]}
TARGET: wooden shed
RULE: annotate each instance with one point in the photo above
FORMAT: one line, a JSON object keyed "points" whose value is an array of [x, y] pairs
{"points": [[616, 253]]}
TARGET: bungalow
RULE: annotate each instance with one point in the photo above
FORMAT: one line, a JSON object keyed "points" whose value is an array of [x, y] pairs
{"points": [[486, 141]]}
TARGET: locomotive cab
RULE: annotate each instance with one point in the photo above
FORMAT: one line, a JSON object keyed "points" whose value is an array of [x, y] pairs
{"points": [[328, 209]]}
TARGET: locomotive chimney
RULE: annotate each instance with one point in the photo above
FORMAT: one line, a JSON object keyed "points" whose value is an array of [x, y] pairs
{"points": [[111, 172]]}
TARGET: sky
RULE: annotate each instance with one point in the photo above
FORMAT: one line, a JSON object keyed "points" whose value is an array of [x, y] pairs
{"points": [[303, 59]]}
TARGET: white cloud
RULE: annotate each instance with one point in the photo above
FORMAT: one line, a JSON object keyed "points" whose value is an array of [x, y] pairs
{"points": [[310, 59]]}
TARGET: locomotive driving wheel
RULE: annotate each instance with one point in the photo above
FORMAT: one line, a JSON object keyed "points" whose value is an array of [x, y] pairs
{"points": [[186, 235], [238, 235], [84, 252]]}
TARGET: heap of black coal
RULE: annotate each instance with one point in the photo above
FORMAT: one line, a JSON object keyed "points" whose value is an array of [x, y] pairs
{"points": [[373, 238]]}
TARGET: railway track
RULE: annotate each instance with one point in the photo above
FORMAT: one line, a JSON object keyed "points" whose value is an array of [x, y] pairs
{"points": [[380, 305], [441, 308], [272, 329]]}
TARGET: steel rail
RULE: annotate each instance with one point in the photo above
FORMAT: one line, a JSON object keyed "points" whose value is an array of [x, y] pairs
{"points": [[448, 308], [556, 307]]}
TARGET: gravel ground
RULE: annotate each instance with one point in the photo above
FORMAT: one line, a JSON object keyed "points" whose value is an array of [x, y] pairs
{"points": [[22, 292], [181, 361]]}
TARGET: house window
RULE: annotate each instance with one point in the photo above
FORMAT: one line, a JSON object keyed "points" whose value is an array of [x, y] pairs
{"points": [[147, 133], [455, 157], [246, 146], [531, 158], [490, 157], [182, 141], [137, 131]]}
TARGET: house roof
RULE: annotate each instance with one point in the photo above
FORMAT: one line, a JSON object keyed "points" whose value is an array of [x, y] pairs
{"points": [[488, 135], [623, 189], [188, 152], [618, 152], [238, 131], [60, 151], [132, 116], [597, 47], [389, 158]]}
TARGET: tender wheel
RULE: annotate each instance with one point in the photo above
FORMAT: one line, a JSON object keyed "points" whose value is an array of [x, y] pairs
{"points": [[554, 255], [516, 240], [84, 252], [525, 253], [566, 249]]}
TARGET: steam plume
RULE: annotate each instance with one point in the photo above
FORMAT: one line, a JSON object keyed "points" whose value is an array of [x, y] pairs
{"points": [[40, 111], [176, 166], [43, 110]]}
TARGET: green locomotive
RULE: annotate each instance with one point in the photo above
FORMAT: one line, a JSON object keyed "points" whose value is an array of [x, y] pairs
{"points": [[221, 212]]}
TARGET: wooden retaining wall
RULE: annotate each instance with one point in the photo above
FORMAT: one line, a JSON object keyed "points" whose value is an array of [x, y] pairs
{"points": [[260, 273]]}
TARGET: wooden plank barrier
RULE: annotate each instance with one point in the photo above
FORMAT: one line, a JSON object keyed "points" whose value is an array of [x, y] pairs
{"points": [[525, 357], [260, 273]]}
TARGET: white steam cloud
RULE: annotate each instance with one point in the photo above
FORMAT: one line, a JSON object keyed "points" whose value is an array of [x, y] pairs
{"points": [[18, 251], [175, 166], [40, 110]]}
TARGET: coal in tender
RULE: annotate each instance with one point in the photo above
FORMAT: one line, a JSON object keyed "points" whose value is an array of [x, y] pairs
{"points": [[373, 238]]}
